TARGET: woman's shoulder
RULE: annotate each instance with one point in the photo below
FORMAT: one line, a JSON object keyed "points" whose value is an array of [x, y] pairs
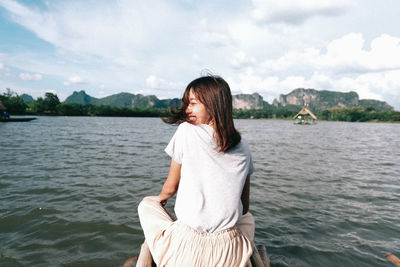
{"points": [[243, 142], [183, 128], [188, 125], [242, 146], [195, 130], [184, 125]]}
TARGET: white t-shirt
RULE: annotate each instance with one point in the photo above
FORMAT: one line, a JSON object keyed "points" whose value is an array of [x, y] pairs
{"points": [[211, 183]]}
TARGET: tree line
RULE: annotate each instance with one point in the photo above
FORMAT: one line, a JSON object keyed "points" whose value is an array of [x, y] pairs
{"points": [[350, 114], [50, 105]]}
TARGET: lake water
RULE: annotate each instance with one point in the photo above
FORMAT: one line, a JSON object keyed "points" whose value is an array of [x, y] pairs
{"points": [[322, 195]]}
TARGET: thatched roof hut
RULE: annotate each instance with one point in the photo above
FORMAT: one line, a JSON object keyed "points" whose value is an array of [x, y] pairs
{"points": [[304, 112], [2, 107], [305, 116]]}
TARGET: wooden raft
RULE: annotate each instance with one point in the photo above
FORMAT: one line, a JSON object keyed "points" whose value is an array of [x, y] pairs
{"points": [[393, 259], [259, 258]]}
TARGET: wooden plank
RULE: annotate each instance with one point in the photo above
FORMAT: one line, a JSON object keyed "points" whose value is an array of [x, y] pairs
{"points": [[259, 258], [393, 259], [262, 250]]}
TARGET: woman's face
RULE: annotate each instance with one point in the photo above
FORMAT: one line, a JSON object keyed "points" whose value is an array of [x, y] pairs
{"points": [[196, 111]]}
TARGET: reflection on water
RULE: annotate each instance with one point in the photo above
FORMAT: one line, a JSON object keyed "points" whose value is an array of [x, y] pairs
{"points": [[322, 195]]}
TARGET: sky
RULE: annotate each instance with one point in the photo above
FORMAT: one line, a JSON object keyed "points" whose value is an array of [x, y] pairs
{"points": [[156, 47]]}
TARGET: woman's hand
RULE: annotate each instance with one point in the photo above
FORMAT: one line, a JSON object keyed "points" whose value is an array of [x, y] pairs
{"points": [[158, 198], [163, 202]]}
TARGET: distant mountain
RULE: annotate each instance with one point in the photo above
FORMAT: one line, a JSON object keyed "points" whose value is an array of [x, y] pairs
{"points": [[314, 99], [123, 100], [166, 103], [321, 100], [241, 101], [141, 101], [26, 98], [247, 101], [375, 104], [81, 98], [116, 100]]}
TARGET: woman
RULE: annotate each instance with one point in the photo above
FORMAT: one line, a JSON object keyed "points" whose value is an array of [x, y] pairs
{"points": [[210, 172]]}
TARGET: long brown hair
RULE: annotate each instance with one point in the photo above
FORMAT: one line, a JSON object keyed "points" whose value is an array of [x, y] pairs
{"points": [[214, 93]]}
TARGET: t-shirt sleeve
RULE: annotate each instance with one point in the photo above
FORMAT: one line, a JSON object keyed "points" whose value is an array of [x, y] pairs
{"points": [[248, 155], [251, 166], [175, 146]]}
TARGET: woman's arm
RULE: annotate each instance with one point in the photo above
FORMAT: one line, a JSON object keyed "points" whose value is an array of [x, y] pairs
{"points": [[171, 184], [246, 195]]}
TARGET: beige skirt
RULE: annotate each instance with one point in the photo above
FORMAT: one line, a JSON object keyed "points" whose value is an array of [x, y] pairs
{"points": [[173, 243]]}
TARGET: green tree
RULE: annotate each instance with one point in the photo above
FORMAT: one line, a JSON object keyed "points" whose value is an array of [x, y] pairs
{"points": [[38, 106], [51, 102], [13, 102], [72, 109]]}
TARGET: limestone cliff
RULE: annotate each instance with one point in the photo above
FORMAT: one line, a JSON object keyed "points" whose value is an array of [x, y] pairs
{"points": [[246, 101], [375, 104], [311, 98], [321, 100], [241, 101]]}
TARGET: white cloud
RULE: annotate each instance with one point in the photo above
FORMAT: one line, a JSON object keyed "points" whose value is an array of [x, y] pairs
{"points": [[292, 82], [379, 86], [4, 68], [321, 81], [346, 55], [75, 80], [213, 35], [248, 82], [121, 42], [216, 39], [121, 32], [299, 59], [241, 60], [115, 42], [30, 77], [15, 87], [51, 91], [296, 12], [375, 85], [154, 82], [196, 57]]}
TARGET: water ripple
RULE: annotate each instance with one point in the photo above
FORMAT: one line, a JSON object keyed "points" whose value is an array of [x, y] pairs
{"points": [[325, 195]]}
